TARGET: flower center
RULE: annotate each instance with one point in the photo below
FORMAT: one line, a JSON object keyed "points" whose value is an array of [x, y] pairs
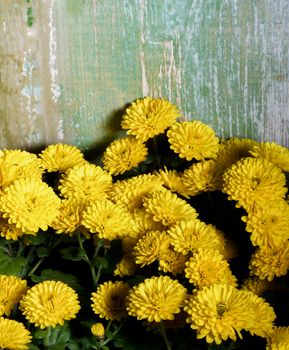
{"points": [[221, 309]]}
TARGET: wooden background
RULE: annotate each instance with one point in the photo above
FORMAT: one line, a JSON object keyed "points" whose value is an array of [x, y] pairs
{"points": [[69, 67]]}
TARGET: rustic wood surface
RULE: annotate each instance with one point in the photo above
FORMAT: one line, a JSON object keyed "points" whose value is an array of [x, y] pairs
{"points": [[68, 68]]}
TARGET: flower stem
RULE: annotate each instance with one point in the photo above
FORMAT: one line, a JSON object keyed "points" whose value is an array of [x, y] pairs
{"points": [[163, 333], [46, 340], [35, 267]]}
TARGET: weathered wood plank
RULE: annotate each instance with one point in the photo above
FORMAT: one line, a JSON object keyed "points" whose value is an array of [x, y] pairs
{"points": [[66, 75]]}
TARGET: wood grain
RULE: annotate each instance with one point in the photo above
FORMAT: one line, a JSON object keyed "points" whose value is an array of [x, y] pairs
{"points": [[68, 75]]}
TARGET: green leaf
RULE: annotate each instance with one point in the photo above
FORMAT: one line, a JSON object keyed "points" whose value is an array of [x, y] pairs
{"points": [[11, 265], [42, 252], [40, 238], [56, 275], [33, 347], [73, 253], [100, 261], [41, 333]]}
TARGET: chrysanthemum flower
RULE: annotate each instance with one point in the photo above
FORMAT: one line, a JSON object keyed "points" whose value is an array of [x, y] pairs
{"points": [[69, 217], [187, 236], [258, 286], [206, 267], [229, 249], [266, 263], [109, 301], [130, 192], [126, 266], [261, 315], [49, 303], [150, 247], [173, 181], [217, 312], [86, 182], [274, 153], [172, 261], [193, 140], [11, 290], [254, 180], [98, 330], [16, 164], [200, 177], [60, 157], [156, 299], [123, 155], [13, 335], [168, 208], [107, 219], [30, 204], [268, 225], [148, 117], [279, 339], [9, 231], [143, 222]]}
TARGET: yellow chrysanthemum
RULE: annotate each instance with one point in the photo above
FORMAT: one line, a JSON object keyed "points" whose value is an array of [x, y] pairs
{"points": [[167, 208], [49, 303], [193, 140], [258, 286], [109, 301], [254, 180], [217, 312], [200, 177], [61, 157], [123, 155], [266, 263], [126, 266], [150, 247], [173, 181], [30, 204], [279, 339], [130, 192], [107, 219], [172, 261], [16, 164], [268, 225], [148, 117], [274, 153], [187, 236], [229, 249], [206, 267], [86, 182], [261, 315], [11, 290], [98, 330], [9, 231], [69, 217], [13, 335], [156, 299], [143, 222]]}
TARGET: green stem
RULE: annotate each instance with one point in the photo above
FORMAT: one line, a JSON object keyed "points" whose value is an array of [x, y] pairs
{"points": [[35, 267], [164, 335], [113, 334], [46, 340]]}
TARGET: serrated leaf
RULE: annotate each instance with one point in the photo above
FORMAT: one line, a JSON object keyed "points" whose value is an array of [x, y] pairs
{"points": [[42, 252], [56, 275], [38, 239], [100, 261], [33, 347], [11, 265], [72, 253], [40, 333]]}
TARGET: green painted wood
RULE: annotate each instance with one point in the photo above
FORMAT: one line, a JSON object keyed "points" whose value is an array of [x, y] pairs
{"points": [[68, 68]]}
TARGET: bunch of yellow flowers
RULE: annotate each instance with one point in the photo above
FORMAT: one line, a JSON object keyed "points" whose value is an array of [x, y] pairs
{"points": [[173, 232]]}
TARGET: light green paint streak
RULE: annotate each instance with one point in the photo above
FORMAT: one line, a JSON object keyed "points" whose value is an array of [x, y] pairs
{"points": [[224, 62]]}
